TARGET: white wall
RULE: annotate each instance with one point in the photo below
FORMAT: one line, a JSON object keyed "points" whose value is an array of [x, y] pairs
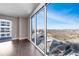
{"points": [[29, 29], [15, 28], [23, 28]]}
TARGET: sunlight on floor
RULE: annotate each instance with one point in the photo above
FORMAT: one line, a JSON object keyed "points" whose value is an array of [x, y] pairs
{"points": [[6, 48]]}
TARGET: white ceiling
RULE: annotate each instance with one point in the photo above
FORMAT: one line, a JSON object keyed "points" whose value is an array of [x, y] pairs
{"points": [[17, 9]]}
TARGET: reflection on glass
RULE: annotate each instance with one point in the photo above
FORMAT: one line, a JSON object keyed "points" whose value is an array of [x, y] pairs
{"points": [[33, 29], [2, 29], [3, 23], [5, 31], [63, 29], [2, 35], [40, 29]]}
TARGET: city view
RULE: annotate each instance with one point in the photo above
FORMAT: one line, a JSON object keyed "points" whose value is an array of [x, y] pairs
{"points": [[62, 29], [62, 32], [63, 42]]}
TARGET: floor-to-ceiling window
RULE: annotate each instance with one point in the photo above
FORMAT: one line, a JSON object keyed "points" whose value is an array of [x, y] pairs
{"points": [[62, 29], [33, 20], [40, 26], [5, 29]]}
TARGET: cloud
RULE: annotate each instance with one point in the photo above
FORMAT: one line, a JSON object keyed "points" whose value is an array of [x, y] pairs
{"points": [[66, 19], [69, 21]]}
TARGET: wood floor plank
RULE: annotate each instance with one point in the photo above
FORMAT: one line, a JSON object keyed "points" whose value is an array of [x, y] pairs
{"points": [[18, 48]]}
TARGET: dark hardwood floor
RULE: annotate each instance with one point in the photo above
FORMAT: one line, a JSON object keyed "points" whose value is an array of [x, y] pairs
{"points": [[18, 48]]}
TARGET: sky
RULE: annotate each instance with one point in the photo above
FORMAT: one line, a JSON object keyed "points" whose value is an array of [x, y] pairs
{"points": [[63, 16], [59, 16]]}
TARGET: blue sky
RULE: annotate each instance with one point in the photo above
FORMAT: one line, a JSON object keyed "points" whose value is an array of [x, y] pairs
{"points": [[63, 16]]}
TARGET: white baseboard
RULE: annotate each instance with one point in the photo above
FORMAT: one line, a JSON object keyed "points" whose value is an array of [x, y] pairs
{"points": [[23, 38], [20, 38], [14, 38]]}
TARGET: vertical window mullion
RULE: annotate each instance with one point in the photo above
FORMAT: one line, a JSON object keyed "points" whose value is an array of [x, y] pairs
{"points": [[35, 27], [45, 29], [30, 29]]}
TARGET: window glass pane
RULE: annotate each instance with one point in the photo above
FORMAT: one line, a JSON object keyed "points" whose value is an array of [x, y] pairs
{"points": [[33, 29], [2, 34], [8, 35], [8, 23], [5, 30], [3, 23], [63, 29], [2, 29], [40, 29]]}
